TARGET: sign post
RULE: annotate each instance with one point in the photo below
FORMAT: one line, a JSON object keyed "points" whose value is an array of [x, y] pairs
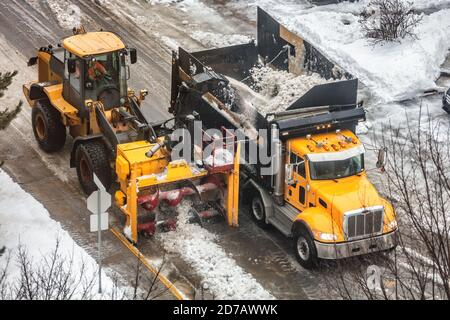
{"points": [[97, 203]]}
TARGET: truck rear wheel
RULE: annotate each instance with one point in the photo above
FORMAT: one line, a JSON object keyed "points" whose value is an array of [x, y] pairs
{"points": [[258, 211], [91, 157], [305, 249], [49, 131]]}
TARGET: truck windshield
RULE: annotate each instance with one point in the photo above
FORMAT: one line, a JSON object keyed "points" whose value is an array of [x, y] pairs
{"points": [[106, 78], [336, 169]]}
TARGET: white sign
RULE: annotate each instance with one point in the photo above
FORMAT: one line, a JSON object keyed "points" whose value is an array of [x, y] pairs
{"points": [[105, 201], [105, 198], [104, 222]]}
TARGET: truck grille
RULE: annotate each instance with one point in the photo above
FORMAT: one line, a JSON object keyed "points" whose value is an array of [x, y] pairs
{"points": [[363, 223]]}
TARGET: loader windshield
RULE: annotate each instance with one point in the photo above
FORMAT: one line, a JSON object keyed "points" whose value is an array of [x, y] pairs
{"points": [[106, 78]]}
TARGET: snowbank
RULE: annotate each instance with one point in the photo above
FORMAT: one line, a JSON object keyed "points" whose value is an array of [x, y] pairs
{"points": [[25, 222], [393, 72], [220, 274], [68, 14]]}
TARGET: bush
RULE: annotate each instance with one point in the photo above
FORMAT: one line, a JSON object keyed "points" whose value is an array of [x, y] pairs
{"points": [[6, 116], [389, 21]]}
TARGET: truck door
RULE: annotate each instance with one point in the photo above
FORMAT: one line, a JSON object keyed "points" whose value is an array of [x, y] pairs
{"points": [[296, 193]]}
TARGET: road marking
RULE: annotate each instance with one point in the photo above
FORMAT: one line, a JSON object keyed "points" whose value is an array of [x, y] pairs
{"points": [[167, 283]]}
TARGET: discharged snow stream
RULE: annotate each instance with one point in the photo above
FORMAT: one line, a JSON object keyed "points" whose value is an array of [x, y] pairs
{"points": [[220, 273]]}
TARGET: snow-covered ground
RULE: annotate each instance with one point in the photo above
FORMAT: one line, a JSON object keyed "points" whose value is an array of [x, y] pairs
{"points": [[9, 57], [25, 223], [69, 15], [393, 72], [220, 273]]}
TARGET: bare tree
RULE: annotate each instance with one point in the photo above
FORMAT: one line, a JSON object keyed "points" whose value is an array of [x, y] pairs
{"points": [[417, 181], [57, 276], [145, 287], [389, 21]]}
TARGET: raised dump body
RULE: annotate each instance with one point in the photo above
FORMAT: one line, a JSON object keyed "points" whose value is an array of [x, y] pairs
{"points": [[303, 166]]}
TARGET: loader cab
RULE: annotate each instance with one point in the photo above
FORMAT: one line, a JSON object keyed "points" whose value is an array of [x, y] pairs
{"points": [[73, 82], [96, 69]]}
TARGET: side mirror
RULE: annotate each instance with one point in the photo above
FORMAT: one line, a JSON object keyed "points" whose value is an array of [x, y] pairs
{"points": [[133, 55], [381, 162], [289, 174], [71, 65]]}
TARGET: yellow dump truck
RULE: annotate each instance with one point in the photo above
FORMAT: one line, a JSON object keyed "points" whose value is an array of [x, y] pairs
{"points": [[314, 189]]}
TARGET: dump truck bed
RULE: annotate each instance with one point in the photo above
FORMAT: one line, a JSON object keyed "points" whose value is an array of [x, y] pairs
{"points": [[208, 82]]}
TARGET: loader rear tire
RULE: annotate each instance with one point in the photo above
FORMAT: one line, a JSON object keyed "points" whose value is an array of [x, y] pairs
{"points": [[92, 157], [49, 131]]}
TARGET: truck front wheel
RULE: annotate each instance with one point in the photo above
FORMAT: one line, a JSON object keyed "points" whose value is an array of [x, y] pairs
{"points": [[305, 249], [91, 157], [49, 131]]}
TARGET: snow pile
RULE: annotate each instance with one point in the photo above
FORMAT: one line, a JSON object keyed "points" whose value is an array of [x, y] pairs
{"points": [[25, 222], [281, 87], [272, 90], [220, 157], [68, 14], [220, 274], [218, 40], [170, 43], [164, 2], [393, 72]]}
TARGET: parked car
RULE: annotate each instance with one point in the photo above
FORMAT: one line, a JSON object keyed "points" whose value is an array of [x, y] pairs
{"points": [[446, 101]]}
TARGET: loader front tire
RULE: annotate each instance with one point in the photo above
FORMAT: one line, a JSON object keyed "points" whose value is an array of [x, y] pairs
{"points": [[92, 157], [49, 131]]}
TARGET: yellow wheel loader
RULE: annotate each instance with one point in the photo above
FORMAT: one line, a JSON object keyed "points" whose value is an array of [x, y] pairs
{"points": [[82, 89]]}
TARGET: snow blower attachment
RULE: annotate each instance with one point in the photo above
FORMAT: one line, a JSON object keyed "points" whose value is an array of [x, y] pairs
{"points": [[152, 184]]}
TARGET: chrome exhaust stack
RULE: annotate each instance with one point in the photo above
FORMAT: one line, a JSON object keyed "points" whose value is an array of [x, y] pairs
{"points": [[278, 167]]}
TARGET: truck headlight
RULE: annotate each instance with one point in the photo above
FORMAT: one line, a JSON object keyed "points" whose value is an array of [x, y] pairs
{"points": [[392, 225], [328, 236], [325, 236]]}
